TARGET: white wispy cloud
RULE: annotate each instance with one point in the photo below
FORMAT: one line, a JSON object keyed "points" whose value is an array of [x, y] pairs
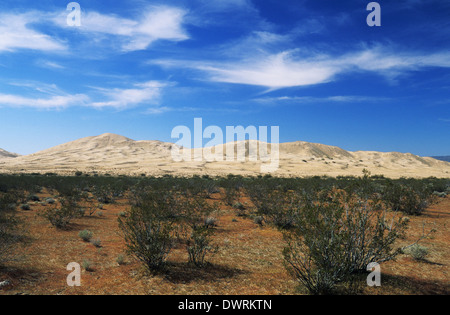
{"points": [[315, 99], [301, 68], [155, 23], [50, 96], [49, 64], [51, 102], [147, 92], [16, 33]]}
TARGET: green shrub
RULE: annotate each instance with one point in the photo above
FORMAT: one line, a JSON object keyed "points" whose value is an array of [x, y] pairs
{"points": [[440, 194], [85, 235], [258, 220], [199, 245], [50, 201], [121, 260], [418, 252], [25, 207], [96, 242], [409, 199], [61, 217], [148, 231], [238, 206], [210, 222], [34, 198], [87, 265], [278, 207], [336, 237]]}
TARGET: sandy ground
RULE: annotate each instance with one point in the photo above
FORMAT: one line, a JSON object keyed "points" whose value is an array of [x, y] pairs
{"points": [[116, 155]]}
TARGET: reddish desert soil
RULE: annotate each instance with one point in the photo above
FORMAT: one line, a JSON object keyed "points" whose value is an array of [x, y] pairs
{"points": [[249, 260]]}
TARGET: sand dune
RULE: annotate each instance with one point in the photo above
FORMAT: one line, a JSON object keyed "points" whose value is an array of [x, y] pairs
{"points": [[5, 154], [114, 154]]}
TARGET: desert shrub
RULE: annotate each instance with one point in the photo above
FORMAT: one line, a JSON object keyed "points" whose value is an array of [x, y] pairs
{"points": [[233, 189], [120, 260], [10, 229], [334, 239], [25, 207], [197, 228], [96, 242], [258, 220], [238, 206], [85, 235], [418, 252], [148, 231], [50, 201], [210, 222], [409, 199], [277, 207], [62, 216], [34, 198], [240, 209], [199, 245], [87, 265], [440, 194]]}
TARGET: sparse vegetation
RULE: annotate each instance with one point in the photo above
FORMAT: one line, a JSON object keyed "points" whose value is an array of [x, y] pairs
{"points": [[332, 227], [10, 228]]}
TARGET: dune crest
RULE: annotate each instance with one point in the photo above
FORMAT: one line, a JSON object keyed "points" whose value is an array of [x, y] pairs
{"points": [[6, 155], [118, 155]]}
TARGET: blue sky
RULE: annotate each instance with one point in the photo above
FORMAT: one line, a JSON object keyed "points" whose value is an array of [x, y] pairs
{"points": [[312, 67]]}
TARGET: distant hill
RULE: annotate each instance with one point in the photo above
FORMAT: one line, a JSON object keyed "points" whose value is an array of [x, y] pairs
{"points": [[442, 158], [118, 155], [6, 154]]}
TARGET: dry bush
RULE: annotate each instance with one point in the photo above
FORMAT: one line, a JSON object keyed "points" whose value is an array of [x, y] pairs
{"points": [[149, 231], [61, 217], [335, 238]]}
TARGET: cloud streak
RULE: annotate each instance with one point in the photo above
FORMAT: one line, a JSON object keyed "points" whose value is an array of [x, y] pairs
{"points": [[53, 102], [147, 92], [16, 33], [293, 69], [154, 24]]}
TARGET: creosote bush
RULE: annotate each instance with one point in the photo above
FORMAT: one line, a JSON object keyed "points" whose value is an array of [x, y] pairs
{"points": [[149, 231], [60, 217], [336, 236], [199, 245], [409, 199]]}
